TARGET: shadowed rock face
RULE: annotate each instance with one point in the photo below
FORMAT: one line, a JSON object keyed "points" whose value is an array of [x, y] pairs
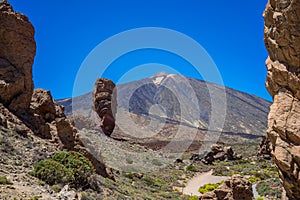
{"points": [[17, 51], [282, 39], [103, 99]]}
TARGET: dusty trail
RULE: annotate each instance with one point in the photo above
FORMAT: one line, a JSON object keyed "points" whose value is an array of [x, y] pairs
{"points": [[199, 180]]}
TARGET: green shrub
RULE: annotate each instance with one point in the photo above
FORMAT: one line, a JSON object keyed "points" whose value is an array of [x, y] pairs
{"points": [[263, 188], [259, 198], [56, 188], [149, 181], [191, 168], [193, 198], [253, 179], [64, 168], [156, 162], [5, 181], [129, 160], [271, 188], [209, 187], [35, 198], [221, 171]]}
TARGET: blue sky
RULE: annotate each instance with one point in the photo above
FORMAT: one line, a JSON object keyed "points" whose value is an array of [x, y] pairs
{"points": [[68, 30]]}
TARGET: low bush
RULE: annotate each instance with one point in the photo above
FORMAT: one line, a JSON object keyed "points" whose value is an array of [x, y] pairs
{"points": [[191, 168], [64, 168], [209, 187], [5, 181], [193, 198], [253, 179]]}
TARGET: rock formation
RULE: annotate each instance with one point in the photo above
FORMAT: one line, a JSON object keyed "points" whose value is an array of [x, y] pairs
{"points": [[264, 150], [217, 153], [235, 188], [282, 39], [50, 121], [104, 99], [17, 51], [22, 109]]}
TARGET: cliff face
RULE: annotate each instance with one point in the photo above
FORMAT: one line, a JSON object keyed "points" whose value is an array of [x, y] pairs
{"points": [[282, 39], [17, 51]]}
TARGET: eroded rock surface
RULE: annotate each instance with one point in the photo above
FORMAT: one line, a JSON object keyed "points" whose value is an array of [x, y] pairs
{"points": [[282, 39], [23, 110], [17, 51], [235, 188], [104, 99], [264, 150], [49, 121]]}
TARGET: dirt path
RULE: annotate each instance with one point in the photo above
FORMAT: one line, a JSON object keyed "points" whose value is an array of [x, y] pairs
{"points": [[199, 180]]}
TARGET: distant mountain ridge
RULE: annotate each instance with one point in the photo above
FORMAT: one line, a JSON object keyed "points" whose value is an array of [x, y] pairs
{"points": [[245, 113]]}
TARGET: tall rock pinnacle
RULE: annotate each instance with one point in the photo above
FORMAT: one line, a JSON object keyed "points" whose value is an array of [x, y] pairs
{"points": [[282, 39], [104, 104], [17, 51]]}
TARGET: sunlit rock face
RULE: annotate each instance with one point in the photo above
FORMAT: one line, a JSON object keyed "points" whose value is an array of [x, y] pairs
{"points": [[17, 51], [282, 39], [104, 104]]}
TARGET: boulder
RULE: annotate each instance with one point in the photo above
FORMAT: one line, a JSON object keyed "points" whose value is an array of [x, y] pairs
{"points": [[235, 188], [104, 99], [282, 40], [264, 150], [217, 153], [17, 53]]}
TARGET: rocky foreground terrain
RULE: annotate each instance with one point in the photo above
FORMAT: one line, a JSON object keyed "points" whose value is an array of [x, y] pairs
{"points": [[44, 156]]}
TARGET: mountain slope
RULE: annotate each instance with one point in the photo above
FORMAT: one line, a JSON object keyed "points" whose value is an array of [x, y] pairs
{"points": [[171, 100]]}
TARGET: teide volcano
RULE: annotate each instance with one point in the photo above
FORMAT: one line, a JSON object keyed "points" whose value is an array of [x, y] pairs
{"points": [[154, 108]]}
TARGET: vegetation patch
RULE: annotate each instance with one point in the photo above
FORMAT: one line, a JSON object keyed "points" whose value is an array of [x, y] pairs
{"points": [[253, 179], [259, 169], [270, 188], [193, 197], [209, 187], [64, 168], [5, 181]]}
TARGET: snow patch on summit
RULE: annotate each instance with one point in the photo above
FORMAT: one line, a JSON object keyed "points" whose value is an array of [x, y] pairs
{"points": [[158, 80]]}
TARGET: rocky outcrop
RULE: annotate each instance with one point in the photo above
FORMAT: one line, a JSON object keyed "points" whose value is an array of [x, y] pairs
{"points": [[17, 51], [104, 99], [50, 121], [43, 113], [264, 150], [235, 188], [26, 111], [217, 153], [282, 39]]}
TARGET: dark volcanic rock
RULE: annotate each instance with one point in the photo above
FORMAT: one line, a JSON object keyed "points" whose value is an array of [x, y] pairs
{"points": [[217, 153]]}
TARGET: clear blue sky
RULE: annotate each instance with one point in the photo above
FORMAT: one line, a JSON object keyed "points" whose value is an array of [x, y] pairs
{"points": [[67, 30]]}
